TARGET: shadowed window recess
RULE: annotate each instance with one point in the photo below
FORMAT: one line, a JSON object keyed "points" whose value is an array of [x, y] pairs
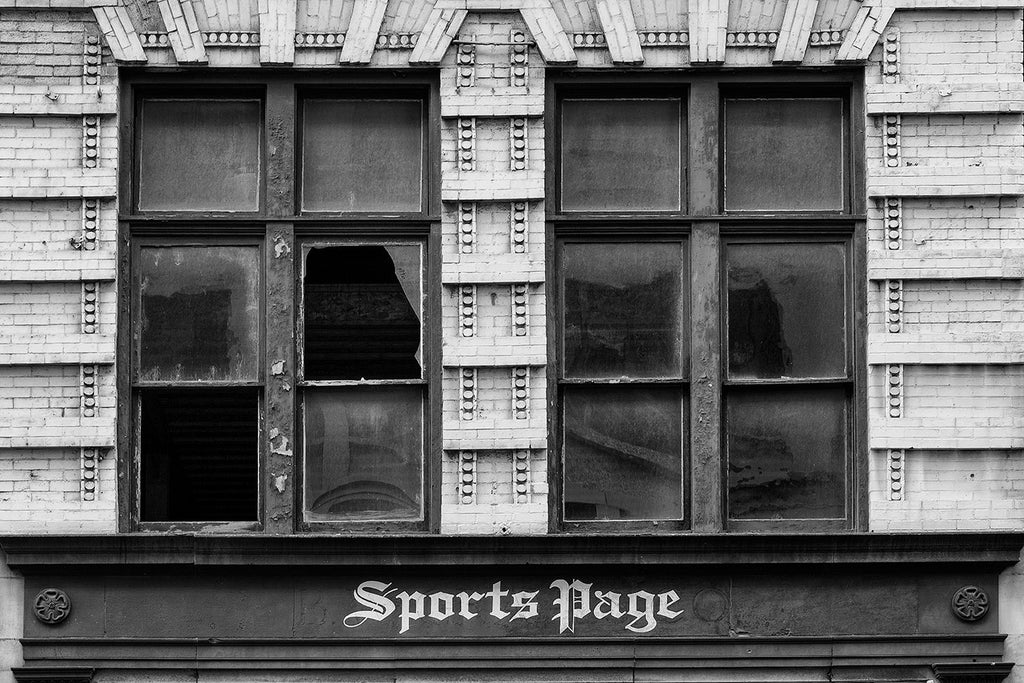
{"points": [[363, 398]]}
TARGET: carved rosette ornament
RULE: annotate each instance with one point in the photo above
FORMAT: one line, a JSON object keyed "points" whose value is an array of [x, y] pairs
{"points": [[52, 606], [970, 603]]}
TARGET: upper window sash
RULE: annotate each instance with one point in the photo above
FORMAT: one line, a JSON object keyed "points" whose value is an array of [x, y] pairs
{"points": [[198, 154], [625, 154]]}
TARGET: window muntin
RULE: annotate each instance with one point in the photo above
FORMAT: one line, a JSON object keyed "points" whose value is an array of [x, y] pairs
{"points": [[621, 154], [199, 154], [362, 388], [784, 154], [362, 155]]}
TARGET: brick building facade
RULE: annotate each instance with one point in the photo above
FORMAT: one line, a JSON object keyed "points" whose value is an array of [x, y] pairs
{"points": [[896, 562]]}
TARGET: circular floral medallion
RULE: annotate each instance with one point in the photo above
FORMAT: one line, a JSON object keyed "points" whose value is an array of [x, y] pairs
{"points": [[52, 606], [970, 603]]}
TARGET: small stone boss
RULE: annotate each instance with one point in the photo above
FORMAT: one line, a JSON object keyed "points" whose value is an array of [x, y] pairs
{"points": [[572, 600]]}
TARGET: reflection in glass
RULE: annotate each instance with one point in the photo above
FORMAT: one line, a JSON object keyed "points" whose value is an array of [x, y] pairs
{"points": [[362, 155], [623, 309], [362, 312], [199, 456], [787, 452], [199, 313], [784, 154], [623, 453], [199, 155], [787, 310], [621, 154], [364, 453]]}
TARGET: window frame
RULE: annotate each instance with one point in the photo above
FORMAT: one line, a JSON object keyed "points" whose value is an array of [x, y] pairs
{"points": [[706, 226], [280, 228]]}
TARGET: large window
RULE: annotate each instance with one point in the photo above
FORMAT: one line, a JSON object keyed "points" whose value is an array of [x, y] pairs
{"points": [[706, 235], [281, 235]]}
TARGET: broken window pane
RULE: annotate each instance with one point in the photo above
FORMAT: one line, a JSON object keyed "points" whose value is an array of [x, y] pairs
{"points": [[623, 451], [784, 154], [364, 453], [362, 155], [199, 155], [621, 154], [199, 455], [787, 310], [623, 309], [199, 314], [362, 312], [787, 452]]}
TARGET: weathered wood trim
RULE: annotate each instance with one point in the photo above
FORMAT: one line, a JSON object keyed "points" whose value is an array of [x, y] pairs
{"points": [[714, 549], [620, 33], [277, 31], [361, 35], [120, 34], [708, 19], [441, 28], [183, 31], [867, 28], [795, 32]]}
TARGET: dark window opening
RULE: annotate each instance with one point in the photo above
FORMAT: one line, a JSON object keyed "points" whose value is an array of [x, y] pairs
{"points": [[362, 313], [199, 454]]}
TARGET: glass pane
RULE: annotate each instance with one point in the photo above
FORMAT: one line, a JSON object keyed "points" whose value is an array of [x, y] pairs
{"points": [[623, 453], [362, 312], [200, 313], [784, 154], [621, 154], [362, 155], [199, 155], [787, 452], [364, 453], [787, 310], [623, 309], [199, 455]]}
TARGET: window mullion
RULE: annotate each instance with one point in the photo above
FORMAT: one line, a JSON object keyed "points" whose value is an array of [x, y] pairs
{"points": [[703, 133], [278, 435], [705, 376], [279, 136]]}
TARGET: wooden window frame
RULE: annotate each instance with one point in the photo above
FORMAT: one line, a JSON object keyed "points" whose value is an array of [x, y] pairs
{"points": [[280, 227], [705, 227]]}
